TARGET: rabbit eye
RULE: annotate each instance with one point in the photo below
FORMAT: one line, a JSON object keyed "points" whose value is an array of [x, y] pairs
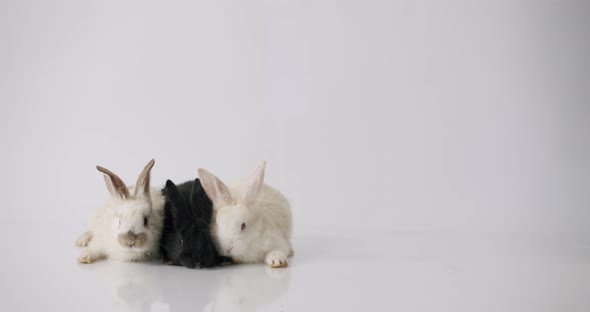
{"points": [[145, 221], [243, 226]]}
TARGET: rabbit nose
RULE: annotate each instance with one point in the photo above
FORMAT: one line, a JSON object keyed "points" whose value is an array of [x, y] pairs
{"points": [[131, 239]]}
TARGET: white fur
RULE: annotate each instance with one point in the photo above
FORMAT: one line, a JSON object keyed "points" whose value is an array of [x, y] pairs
{"points": [[265, 212], [118, 216]]}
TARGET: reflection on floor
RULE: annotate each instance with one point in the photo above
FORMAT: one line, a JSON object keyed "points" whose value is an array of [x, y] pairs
{"points": [[355, 271], [141, 287]]}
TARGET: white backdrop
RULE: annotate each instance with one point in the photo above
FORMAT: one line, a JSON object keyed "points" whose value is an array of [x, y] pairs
{"points": [[371, 114]]}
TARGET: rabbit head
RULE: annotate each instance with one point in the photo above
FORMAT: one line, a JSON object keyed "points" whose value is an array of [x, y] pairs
{"points": [[235, 225], [134, 222]]}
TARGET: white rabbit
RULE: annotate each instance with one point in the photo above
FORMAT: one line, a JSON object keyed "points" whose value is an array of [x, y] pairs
{"points": [[129, 225], [252, 222]]}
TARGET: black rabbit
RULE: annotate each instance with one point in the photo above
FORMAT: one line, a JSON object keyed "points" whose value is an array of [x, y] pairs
{"points": [[186, 237]]}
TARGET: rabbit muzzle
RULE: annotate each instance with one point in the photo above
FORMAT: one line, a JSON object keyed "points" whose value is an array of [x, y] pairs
{"points": [[131, 239]]}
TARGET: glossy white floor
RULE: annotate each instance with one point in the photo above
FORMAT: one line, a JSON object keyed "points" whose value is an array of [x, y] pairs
{"points": [[354, 271]]}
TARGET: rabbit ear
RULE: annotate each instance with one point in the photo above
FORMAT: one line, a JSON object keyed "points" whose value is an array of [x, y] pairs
{"points": [[116, 186], [173, 194], [215, 189], [254, 184], [195, 191], [171, 190], [142, 187], [199, 201]]}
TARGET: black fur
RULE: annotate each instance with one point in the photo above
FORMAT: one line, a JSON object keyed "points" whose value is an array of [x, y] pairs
{"points": [[186, 238]]}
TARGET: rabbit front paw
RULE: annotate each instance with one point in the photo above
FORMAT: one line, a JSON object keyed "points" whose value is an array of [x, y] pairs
{"points": [[88, 257], [276, 259], [84, 239]]}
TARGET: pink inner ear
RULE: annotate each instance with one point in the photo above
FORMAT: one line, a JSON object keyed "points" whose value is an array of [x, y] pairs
{"points": [[142, 187], [214, 188], [115, 185], [255, 184], [223, 194]]}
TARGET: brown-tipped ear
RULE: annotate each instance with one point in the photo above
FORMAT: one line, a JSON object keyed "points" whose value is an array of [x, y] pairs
{"points": [[142, 187], [214, 188], [254, 184], [115, 185]]}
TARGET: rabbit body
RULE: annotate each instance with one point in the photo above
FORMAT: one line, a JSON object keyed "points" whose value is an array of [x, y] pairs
{"points": [[252, 221], [129, 225], [186, 238]]}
